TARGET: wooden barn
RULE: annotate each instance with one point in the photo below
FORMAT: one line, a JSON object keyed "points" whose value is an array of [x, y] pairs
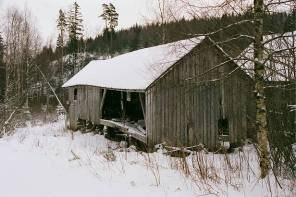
{"points": [[182, 94]]}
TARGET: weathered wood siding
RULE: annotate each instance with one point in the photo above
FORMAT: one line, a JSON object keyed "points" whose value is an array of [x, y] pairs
{"points": [[239, 103], [86, 106], [183, 110]]}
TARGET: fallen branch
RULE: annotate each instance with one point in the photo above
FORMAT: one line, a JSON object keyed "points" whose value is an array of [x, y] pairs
{"points": [[75, 157], [51, 88]]}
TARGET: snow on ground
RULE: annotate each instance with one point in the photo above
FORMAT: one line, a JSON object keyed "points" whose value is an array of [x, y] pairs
{"points": [[45, 161]]}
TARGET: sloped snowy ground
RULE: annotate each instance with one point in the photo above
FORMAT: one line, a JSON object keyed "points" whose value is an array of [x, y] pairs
{"points": [[45, 161]]}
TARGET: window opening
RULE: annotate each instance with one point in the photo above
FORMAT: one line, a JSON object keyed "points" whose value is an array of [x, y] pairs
{"points": [[223, 126], [75, 94]]}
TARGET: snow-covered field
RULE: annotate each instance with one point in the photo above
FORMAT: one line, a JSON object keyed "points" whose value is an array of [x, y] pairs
{"points": [[45, 161]]}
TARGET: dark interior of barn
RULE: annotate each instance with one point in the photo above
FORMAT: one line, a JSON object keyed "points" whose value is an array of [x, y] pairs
{"points": [[124, 107]]}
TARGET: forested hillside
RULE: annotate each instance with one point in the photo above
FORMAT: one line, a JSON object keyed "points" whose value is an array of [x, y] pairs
{"points": [[151, 34]]}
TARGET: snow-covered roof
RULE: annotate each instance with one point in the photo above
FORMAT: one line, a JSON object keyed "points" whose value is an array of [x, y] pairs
{"points": [[135, 70], [279, 57]]}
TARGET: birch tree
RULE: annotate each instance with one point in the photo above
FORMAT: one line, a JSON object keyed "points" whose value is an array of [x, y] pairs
{"points": [[261, 115]]}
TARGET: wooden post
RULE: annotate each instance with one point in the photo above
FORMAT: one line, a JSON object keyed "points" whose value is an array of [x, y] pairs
{"points": [[143, 107], [102, 102], [223, 97]]}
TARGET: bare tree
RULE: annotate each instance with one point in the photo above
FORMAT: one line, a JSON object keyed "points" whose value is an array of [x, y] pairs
{"points": [[22, 43], [164, 12]]}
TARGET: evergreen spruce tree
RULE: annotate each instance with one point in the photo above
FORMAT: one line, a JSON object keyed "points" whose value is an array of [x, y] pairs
{"points": [[61, 26], [290, 24], [75, 29], [110, 16]]}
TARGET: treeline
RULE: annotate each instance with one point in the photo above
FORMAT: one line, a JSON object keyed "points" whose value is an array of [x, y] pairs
{"points": [[148, 35]]}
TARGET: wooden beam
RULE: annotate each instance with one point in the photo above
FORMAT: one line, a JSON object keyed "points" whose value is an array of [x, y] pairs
{"points": [[112, 124], [132, 132]]}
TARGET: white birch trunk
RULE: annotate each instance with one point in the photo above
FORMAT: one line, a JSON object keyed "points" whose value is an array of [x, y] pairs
{"points": [[261, 114]]}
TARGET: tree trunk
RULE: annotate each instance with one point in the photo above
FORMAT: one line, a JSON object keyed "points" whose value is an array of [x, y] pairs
{"points": [[261, 114]]}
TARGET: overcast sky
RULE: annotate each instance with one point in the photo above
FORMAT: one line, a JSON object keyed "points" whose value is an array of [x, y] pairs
{"points": [[46, 13], [130, 12]]}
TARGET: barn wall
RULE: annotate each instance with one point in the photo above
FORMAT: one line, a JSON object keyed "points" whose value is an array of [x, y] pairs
{"points": [[87, 105], [183, 110]]}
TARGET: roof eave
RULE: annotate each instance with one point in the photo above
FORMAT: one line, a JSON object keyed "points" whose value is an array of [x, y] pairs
{"points": [[109, 88]]}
